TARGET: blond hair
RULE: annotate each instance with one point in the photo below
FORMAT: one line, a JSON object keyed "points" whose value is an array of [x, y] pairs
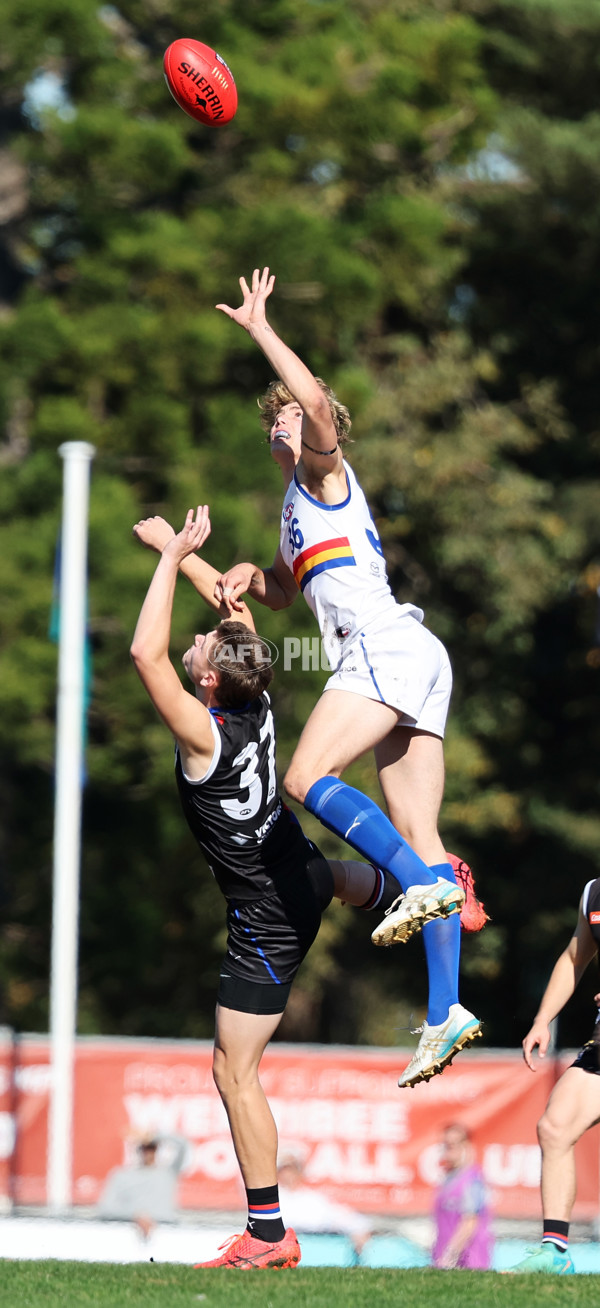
{"points": [[277, 394]]}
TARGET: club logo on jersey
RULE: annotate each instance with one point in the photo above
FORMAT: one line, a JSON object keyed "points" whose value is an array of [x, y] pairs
{"points": [[335, 553], [594, 919], [287, 512], [251, 654]]}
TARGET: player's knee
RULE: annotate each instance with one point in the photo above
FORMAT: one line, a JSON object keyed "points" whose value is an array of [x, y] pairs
{"points": [[224, 1074], [224, 1079], [552, 1133], [231, 1076], [219, 1070]]}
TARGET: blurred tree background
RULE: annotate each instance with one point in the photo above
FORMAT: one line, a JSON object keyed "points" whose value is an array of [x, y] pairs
{"points": [[424, 178]]}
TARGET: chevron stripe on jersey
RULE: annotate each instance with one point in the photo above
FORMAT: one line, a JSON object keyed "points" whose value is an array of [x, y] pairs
{"points": [[336, 553]]}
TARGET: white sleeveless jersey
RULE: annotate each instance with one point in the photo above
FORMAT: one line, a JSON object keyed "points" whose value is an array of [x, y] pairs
{"points": [[335, 555]]}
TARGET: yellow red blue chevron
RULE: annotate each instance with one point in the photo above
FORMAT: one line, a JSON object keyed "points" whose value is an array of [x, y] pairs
{"points": [[335, 553]]}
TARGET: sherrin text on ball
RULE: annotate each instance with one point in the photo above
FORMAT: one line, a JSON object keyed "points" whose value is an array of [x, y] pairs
{"points": [[201, 82]]}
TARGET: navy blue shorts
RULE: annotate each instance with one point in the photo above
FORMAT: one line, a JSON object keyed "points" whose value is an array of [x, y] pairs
{"points": [[268, 938], [588, 1058]]}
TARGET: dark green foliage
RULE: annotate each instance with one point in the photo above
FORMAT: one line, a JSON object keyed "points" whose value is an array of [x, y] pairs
{"points": [[423, 177]]}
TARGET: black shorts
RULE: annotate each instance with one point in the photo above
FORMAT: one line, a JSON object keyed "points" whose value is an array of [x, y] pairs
{"points": [[268, 938], [588, 1058]]}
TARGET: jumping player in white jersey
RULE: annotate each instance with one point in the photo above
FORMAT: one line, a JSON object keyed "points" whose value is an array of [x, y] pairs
{"points": [[380, 652], [275, 881]]}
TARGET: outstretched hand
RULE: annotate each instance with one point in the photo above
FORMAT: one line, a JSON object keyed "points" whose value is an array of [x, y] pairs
{"points": [[252, 312], [192, 535], [154, 533]]}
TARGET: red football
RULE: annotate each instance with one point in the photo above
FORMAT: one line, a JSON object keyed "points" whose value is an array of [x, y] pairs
{"points": [[200, 81]]}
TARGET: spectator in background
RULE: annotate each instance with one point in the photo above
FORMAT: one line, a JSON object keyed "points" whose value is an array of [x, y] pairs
{"points": [[310, 1211], [145, 1193], [462, 1217]]}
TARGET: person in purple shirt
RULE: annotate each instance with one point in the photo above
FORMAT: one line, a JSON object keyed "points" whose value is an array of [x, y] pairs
{"points": [[464, 1235]]}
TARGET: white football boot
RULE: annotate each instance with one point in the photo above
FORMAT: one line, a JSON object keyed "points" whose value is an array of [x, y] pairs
{"points": [[439, 1044], [419, 905]]}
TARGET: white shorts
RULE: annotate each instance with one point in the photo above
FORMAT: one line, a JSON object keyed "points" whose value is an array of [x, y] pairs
{"points": [[401, 664]]}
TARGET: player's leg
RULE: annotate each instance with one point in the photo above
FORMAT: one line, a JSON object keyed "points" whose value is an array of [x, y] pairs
{"points": [[573, 1107], [341, 728], [240, 1041], [362, 885], [410, 764], [267, 939]]}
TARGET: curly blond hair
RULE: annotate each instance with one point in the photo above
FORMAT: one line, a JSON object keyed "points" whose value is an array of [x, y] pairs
{"points": [[277, 394]]}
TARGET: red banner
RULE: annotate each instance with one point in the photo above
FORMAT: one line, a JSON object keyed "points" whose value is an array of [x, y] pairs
{"points": [[365, 1141]]}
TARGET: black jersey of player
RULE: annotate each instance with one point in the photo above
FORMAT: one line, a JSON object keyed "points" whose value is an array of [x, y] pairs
{"points": [[591, 907], [247, 835]]}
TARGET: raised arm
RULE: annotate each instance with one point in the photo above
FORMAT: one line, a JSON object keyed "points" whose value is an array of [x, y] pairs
{"points": [[185, 716], [321, 453], [565, 977], [156, 532], [274, 587]]}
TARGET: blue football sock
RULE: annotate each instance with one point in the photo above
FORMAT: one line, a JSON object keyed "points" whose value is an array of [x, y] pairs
{"points": [[359, 821], [441, 939]]}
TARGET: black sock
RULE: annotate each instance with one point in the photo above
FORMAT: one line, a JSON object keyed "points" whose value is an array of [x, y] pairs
{"points": [[385, 891], [264, 1215], [556, 1233]]}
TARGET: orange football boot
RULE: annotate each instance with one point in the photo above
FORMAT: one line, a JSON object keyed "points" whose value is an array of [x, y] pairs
{"points": [[473, 916], [245, 1251]]}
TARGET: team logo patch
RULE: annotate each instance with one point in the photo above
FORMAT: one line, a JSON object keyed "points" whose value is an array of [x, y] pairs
{"points": [[594, 918], [287, 512]]}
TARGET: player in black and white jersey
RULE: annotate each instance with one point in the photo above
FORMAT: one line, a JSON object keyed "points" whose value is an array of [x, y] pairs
{"points": [[275, 881], [574, 1105], [391, 682]]}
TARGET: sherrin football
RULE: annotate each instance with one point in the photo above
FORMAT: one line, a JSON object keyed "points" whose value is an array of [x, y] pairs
{"points": [[200, 81]]}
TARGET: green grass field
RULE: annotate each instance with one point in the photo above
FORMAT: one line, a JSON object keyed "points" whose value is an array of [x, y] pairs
{"points": [[168, 1285]]}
